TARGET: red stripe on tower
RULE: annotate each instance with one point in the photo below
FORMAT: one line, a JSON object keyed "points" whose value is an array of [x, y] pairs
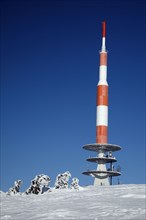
{"points": [[102, 95], [103, 29]]}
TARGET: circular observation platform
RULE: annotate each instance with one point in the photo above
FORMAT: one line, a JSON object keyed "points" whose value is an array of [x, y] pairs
{"points": [[101, 147], [97, 172], [102, 159]]}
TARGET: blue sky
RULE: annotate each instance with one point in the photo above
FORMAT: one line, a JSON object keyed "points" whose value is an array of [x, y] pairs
{"points": [[49, 72]]}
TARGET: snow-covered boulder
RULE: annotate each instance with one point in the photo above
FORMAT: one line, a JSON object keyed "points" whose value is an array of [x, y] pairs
{"points": [[15, 189], [62, 180], [75, 183], [39, 185]]}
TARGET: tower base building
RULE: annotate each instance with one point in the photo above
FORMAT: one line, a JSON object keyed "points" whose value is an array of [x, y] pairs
{"points": [[102, 175]]}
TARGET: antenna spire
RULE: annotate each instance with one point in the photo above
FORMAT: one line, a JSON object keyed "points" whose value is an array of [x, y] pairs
{"points": [[103, 29], [103, 48]]}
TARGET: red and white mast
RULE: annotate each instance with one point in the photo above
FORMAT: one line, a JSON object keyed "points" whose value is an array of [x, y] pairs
{"points": [[102, 94], [103, 176]]}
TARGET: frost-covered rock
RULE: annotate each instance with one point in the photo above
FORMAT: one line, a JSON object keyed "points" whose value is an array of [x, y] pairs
{"points": [[34, 188], [75, 183], [15, 189], [39, 185], [44, 181], [62, 180]]}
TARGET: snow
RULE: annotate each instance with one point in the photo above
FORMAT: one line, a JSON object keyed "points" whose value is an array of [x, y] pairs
{"points": [[99, 203]]}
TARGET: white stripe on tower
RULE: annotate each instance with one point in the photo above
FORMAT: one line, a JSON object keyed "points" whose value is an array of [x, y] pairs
{"points": [[102, 95]]}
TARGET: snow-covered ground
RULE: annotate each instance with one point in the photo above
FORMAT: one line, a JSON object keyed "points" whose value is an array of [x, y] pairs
{"points": [[98, 203]]}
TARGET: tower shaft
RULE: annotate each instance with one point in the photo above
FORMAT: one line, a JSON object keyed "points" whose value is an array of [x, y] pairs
{"points": [[102, 95]]}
